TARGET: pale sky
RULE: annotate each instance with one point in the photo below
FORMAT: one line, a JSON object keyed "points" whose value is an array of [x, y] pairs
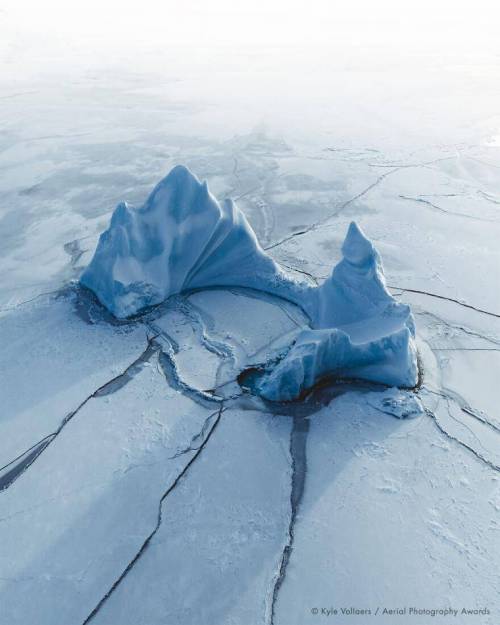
{"points": [[399, 22]]}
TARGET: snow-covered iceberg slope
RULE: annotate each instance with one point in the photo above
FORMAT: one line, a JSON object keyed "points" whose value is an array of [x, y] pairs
{"points": [[182, 239]]}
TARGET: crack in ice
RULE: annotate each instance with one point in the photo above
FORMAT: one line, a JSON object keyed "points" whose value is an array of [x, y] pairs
{"points": [[317, 224], [461, 328], [479, 456], [420, 200], [148, 539], [445, 298], [105, 389], [298, 444], [449, 395]]}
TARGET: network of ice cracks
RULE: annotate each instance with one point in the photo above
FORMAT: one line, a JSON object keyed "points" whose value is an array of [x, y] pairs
{"points": [[182, 238]]}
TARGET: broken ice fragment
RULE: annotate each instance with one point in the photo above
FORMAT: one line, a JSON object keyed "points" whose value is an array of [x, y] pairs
{"points": [[393, 401]]}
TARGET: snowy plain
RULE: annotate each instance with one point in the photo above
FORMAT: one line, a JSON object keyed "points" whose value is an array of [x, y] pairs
{"points": [[141, 483]]}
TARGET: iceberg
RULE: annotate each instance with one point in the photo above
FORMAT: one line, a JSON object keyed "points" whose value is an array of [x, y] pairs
{"points": [[359, 330], [183, 239]]}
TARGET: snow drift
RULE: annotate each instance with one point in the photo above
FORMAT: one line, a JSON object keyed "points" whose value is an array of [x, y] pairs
{"points": [[183, 239]]}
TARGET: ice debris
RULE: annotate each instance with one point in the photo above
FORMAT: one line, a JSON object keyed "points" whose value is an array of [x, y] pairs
{"points": [[393, 401], [183, 239]]}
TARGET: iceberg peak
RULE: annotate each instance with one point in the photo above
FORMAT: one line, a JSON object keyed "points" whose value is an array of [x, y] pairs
{"points": [[357, 249], [180, 194], [180, 176]]}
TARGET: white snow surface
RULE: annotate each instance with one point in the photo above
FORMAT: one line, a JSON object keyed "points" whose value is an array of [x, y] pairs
{"points": [[219, 531]]}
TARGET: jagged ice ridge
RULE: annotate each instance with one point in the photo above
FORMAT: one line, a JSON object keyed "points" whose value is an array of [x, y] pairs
{"points": [[182, 238]]}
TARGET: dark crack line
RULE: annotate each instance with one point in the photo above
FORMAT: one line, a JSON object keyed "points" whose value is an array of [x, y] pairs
{"points": [[199, 325], [23, 462], [464, 407], [168, 364], [56, 136], [488, 197], [465, 349], [296, 323], [195, 315], [17, 95], [441, 195], [302, 271], [236, 172], [420, 200], [130, 372], [474, 414], [27, 301], [410, 165], [170, 371], [147, 541], [447, 299], [213, 391], [350, 151], [319, 223], [120, 379], [298, 446], [461, 328], [26, 451], [200, 436], [479, 456], [464, 425]]}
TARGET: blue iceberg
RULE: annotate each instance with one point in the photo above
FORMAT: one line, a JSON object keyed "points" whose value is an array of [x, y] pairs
{"points": [[182, 238], [360, 330]]}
